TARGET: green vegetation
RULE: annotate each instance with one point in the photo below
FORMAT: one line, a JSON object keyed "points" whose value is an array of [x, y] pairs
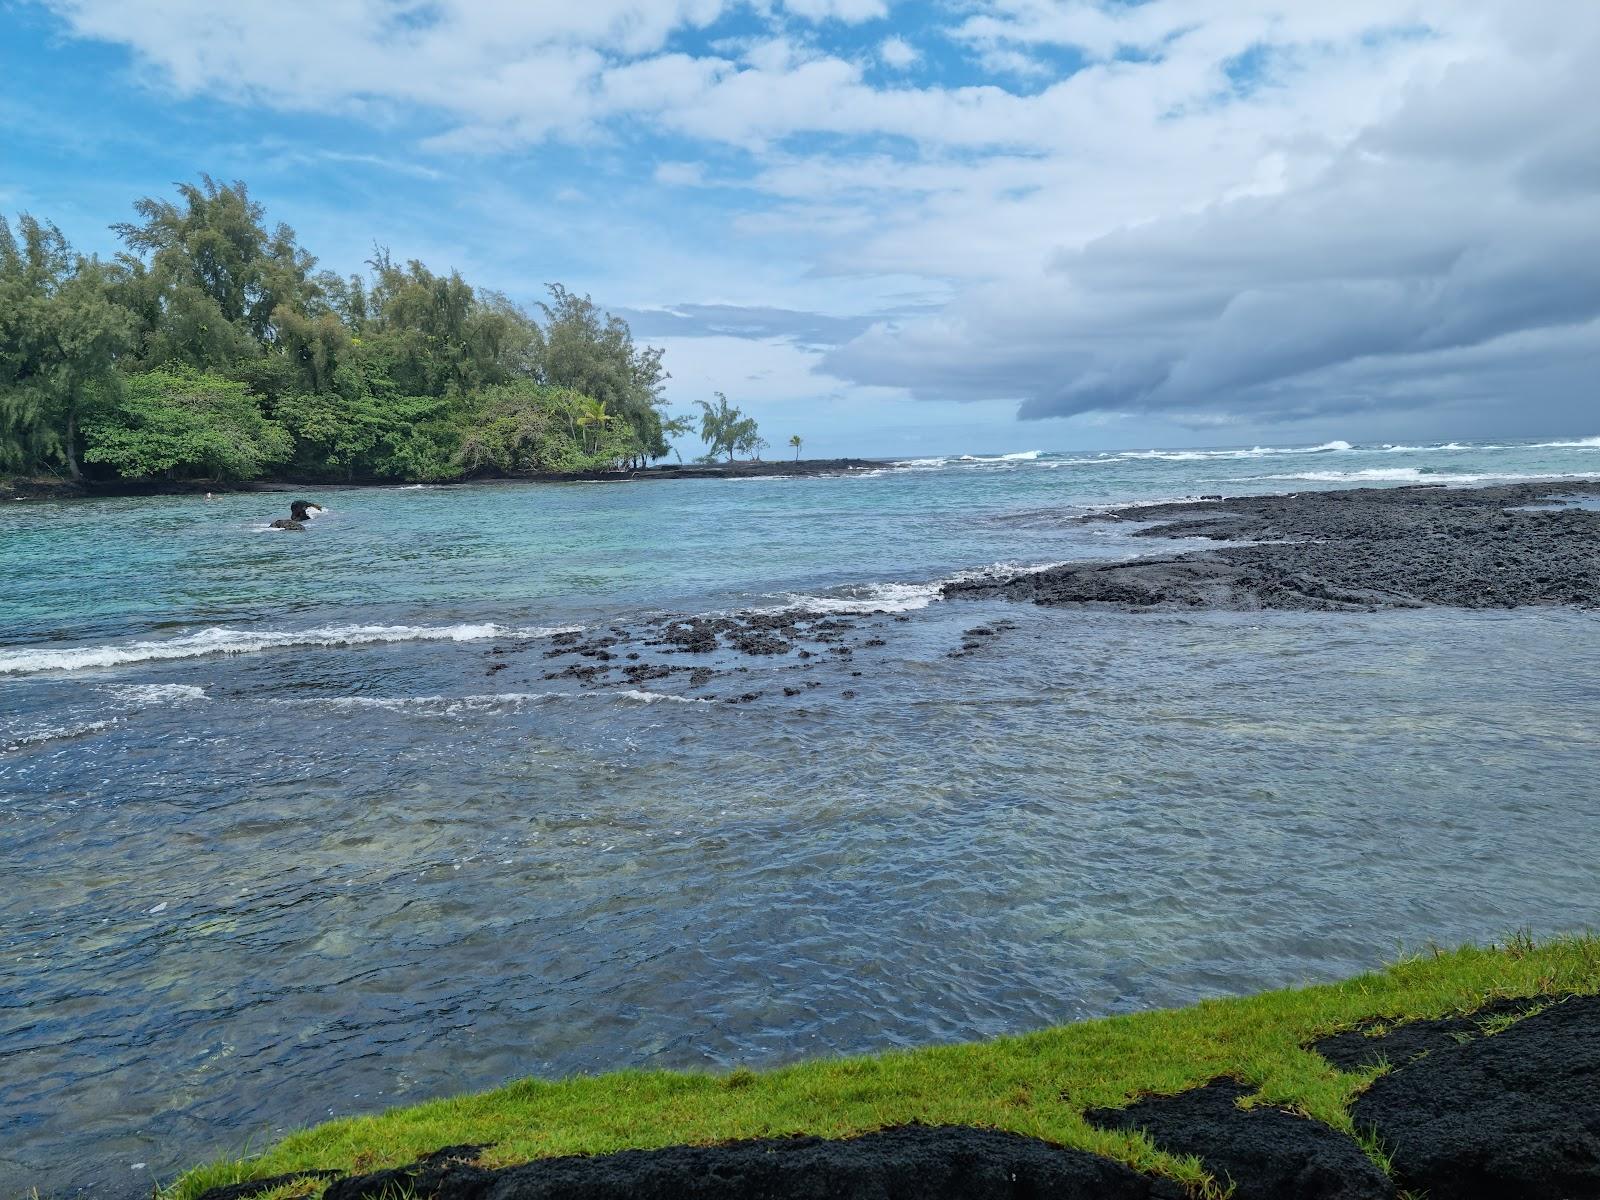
{"points": [[1037, 1084], [726, 430], [213, 348]]}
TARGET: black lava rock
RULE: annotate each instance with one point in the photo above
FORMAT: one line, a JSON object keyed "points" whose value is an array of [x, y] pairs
{"points": [[255, 1187], [1359, 549], [1268, 1153], [909, 1163], [1512, 1115], [1356, 1049], [447, 1174]]}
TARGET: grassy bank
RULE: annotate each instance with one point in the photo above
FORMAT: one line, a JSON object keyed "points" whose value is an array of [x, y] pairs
{"points": [[1037, 1084]]}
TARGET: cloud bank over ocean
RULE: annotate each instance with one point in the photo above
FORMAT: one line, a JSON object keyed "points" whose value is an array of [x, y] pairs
{"points": [[1211, 218]]}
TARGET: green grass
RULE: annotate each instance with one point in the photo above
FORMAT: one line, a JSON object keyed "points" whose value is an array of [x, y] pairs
{"points": [[1037, 1084]]}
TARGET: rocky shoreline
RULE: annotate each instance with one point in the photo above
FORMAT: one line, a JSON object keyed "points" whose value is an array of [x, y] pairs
{"points": [[49, 488], [1493, 1104], [1361, 549]]}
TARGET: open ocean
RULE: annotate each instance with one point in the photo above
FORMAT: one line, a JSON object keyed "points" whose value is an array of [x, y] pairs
{"points": [[277, 844]]}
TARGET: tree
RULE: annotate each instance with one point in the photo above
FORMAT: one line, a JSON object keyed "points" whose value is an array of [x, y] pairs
{"points": [[60, 339], [403, 372], [592, 352], [795, 442], [725, 429], [676, 427], [185, 423], [748, 441], [216, 278], [592, 415]]}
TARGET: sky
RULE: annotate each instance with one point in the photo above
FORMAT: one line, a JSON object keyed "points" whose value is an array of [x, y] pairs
{"points": [[902, 228]]}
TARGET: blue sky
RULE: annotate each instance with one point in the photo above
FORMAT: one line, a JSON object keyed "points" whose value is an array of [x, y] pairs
{"points": [[901, 228]]}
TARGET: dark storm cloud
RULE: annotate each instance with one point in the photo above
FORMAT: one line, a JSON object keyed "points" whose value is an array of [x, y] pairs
{"points": [[1461, 229]]}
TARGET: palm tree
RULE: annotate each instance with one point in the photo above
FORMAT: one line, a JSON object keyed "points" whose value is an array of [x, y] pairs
{"points": [[795, 442], [593, 415]]}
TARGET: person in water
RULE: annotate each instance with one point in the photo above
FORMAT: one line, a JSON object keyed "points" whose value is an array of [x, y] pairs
{"points": [[299, 514]]}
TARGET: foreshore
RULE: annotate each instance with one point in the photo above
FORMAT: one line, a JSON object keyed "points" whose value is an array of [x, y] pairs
{"points": [[50, 488], [1456, 1073], [1358, 549]]}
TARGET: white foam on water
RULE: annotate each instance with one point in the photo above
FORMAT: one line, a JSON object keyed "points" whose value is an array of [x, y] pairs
{"points": [[140, 695], [1018, 456], [902, 597], [451, 706], [642, 697], [1407, 475], [1253, 452], [55, 734], [447, 705], [224, 641], [1592, 443], [863, 598]]}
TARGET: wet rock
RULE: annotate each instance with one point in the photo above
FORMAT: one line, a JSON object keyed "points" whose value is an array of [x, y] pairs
{"points": [[909, 1163], [255, 1187], [1516, 1114], [760, 642], [289, 524], [1268, 1153], [1357, 1049], [1360, 549]]}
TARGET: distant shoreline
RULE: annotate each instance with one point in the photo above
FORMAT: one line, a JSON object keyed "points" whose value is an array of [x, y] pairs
{"points": [[46, 488]]}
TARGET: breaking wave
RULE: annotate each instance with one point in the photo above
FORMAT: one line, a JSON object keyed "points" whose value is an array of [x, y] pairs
{"points": [[1253, 452], [243, 641], [1408, 475], [451, 706], [55, 734]]}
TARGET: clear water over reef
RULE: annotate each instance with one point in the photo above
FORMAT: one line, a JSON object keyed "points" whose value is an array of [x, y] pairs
{"points": [[283, 838]]}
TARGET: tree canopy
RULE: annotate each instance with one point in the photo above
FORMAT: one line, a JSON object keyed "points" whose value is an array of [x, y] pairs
{"points": [[212, 346]]}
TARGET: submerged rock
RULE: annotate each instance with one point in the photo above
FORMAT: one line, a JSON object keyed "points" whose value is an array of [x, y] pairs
{"points": [[1268, 1153]]}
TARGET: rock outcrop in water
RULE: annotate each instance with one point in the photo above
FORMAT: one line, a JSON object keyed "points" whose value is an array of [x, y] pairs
{"points": [[299, 514], [1354, 550]]}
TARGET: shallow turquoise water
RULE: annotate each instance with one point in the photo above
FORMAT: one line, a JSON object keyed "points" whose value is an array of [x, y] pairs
{"points": [[342, 865]]}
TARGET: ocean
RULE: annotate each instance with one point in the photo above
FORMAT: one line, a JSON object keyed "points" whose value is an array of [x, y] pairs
{"points": [[295, 826]]}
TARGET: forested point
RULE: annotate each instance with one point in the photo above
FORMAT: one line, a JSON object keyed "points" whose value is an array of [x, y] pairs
{"points": [[213, 348]]}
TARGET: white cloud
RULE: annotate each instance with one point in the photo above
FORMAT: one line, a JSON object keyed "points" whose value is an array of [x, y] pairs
{"points": [[1232, 209], [898, 54], [850, 11]]}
